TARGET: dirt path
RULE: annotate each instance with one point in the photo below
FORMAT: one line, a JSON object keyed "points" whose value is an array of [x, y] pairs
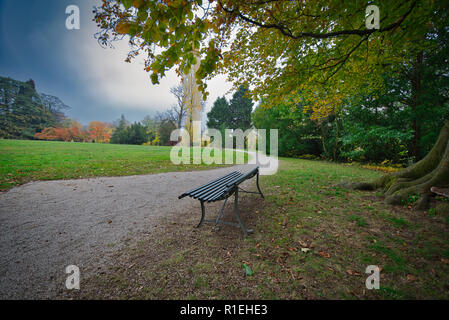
{"points": [[46, 226]]}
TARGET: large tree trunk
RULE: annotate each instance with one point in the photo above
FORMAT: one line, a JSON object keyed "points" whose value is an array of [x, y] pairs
{"points": [[431, 171], [415, 79]]}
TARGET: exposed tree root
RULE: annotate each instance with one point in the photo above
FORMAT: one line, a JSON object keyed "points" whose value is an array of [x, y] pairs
{"points": [[432, 171]]}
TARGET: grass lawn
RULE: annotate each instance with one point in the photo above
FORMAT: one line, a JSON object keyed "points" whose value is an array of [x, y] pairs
{"points": [[312, 240], [22, 161]]}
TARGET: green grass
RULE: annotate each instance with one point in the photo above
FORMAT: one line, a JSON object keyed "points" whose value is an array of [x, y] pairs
{"points": [[22, 161], [360, 221], [343, 231]]}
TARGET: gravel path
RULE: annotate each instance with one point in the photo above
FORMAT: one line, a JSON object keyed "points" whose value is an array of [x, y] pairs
{"points": [[46, 226]]}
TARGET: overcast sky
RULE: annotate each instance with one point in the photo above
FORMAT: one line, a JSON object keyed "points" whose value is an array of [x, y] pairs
{"points": [[95, 82]]}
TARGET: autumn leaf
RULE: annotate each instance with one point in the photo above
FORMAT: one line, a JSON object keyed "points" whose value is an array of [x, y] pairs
{"points": [[324, 254], [138, 3], [123, 27], [411, 277], [303, 244], [353, 273]]}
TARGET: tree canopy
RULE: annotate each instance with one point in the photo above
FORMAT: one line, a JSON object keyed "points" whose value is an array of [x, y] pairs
{"points": [[319, 48]]}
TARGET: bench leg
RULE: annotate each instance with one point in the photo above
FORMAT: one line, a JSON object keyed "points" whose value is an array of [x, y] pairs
{"points": [[258, 188], [236, 212], [221, 211], [203, 213]]}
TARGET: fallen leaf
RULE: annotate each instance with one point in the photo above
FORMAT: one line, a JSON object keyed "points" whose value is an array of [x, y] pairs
{"points": [[324, 254], [445, 261], [303, 244], [305, 250], [352, 273], [411, 277]]}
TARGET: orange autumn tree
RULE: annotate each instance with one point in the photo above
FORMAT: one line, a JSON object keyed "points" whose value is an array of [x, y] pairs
{"points": [[100, 132], [47, 134]]}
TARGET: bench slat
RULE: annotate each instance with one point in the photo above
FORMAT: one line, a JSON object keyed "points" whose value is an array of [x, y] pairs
{"points": [[204, 186], [222, 190], [230, 185], [214, 186], [217, 188]]}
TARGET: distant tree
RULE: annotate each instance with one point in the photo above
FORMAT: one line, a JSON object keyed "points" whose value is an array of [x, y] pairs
{"points": [[151, 125], [241, 107], [233, 115], [55, 106], [120, 134], [121, 123], [220, 114], [63, 134], [136, 133], [100, 132], [22, 112], [178, 112], [297, 134], [69, 122], [165, 129], [47, 134]]}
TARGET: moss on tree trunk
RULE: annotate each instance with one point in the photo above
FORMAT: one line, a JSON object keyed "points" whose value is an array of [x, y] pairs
{"points": [[431, 171]]}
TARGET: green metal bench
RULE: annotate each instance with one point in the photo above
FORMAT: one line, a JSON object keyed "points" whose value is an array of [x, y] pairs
{"points": [[221, 189]]}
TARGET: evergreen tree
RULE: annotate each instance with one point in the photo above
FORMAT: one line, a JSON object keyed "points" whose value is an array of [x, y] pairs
{"points": [[241, 107], [120, 135], [129, 134], [233, 115], [22, 112], [220, 114]]}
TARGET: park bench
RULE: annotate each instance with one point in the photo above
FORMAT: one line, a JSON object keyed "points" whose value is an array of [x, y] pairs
{"points": [[221, 189]]}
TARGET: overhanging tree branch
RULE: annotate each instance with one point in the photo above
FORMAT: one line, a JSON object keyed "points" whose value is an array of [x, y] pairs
{"points": [[288, 33]]}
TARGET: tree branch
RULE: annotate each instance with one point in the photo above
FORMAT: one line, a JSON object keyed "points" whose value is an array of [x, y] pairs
{"points": [[288, 33]]}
